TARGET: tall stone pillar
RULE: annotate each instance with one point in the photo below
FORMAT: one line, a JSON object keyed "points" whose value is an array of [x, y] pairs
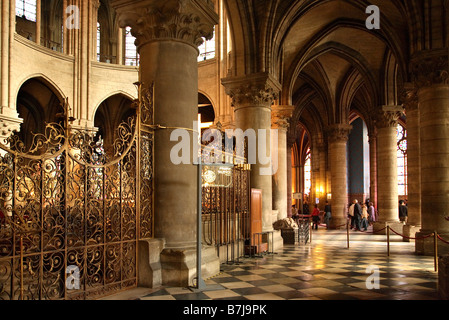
{"points": [[413, 163], [9, 118], [167, 37], [38, 21], [431, 77], [280, 122], [252, 97], [338, 138], [387, 173], [372, 140]]}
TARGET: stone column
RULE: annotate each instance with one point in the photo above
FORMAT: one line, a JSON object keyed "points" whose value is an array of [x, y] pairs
{"points": [[387, 174], [252, 97], [431, 77], [338, 138], [413, 163], [38, 21], [373, 166], [167, 37], [280, 122], [8, 111]]}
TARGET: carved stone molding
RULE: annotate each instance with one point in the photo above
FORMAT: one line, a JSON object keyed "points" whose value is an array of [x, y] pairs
{"points": [[339, 132], [388, 116], [8, 126], [186, 20], [409, 97], [280, 116], [430, 68], [256, 90]]}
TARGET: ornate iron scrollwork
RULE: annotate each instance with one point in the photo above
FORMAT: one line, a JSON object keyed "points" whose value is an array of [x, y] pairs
{"points": [[65, 202]]}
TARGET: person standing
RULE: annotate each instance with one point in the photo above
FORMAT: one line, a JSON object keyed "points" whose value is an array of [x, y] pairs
{"points": [[403, 212], [327, 214], [357, 215], [364, 218], [315, 217], [371, 213]]}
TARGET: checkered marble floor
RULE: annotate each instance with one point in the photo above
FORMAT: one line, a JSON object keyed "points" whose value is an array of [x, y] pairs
{"points": [[325, 269]]}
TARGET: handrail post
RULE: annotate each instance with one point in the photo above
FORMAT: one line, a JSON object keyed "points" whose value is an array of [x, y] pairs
{"points": [[435, 246], [347, 233], [388, 240]]}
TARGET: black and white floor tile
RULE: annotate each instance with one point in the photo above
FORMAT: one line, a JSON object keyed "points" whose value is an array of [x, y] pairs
{"points": [[325, 269]]}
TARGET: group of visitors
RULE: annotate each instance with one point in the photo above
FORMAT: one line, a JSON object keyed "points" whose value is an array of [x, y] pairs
{"points": [[361, 215]]}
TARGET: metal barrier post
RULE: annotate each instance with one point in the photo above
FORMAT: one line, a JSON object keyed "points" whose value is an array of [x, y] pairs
{"points": [[435, 246], [347, 233], [388, 240]]}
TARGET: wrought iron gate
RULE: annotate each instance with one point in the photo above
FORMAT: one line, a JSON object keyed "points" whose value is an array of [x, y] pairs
{"points": [[72, 215], [226, 209]]}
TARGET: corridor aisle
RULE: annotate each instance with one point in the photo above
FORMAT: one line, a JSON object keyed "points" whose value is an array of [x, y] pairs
{"points": [[323, 270]]}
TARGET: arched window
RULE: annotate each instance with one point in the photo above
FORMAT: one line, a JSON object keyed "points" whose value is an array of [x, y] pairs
{"points": [[308, 173], [26, 9], [131, 56], [402, 160], [207, 49]]}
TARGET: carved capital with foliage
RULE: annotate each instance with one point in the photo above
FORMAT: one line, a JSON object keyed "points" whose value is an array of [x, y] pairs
{"points": [[430, 68], [256, 90], [388, 116], [339, 132], [185, 20]]}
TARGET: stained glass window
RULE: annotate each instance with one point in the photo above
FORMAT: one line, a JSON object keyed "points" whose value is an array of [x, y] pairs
{"points": [[26, 9], [402, 160], [308, 173]]}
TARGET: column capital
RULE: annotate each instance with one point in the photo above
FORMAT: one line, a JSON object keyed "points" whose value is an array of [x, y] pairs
{"points": [[339, 132], [255, 90], [280, 116], [186, 20], [430, 68], [388, 116]]}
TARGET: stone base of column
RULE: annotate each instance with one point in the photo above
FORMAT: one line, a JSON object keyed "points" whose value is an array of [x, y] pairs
{"points": [[149, 263], [410, 231], [443, 277], [276, 242], [425, 244], [337, 224], [179, 266], [380, 227]]}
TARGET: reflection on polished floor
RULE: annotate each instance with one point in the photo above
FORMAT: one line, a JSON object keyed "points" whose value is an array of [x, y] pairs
{"points": [[325, 269]]}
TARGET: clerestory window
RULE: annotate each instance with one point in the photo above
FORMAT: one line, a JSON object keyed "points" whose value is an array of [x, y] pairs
{"points": [[26, 9], [207, 49], [131, 56]]}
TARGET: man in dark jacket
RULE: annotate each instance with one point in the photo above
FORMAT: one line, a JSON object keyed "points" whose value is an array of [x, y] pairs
{"points": [[357, 214], [403, 212]]}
